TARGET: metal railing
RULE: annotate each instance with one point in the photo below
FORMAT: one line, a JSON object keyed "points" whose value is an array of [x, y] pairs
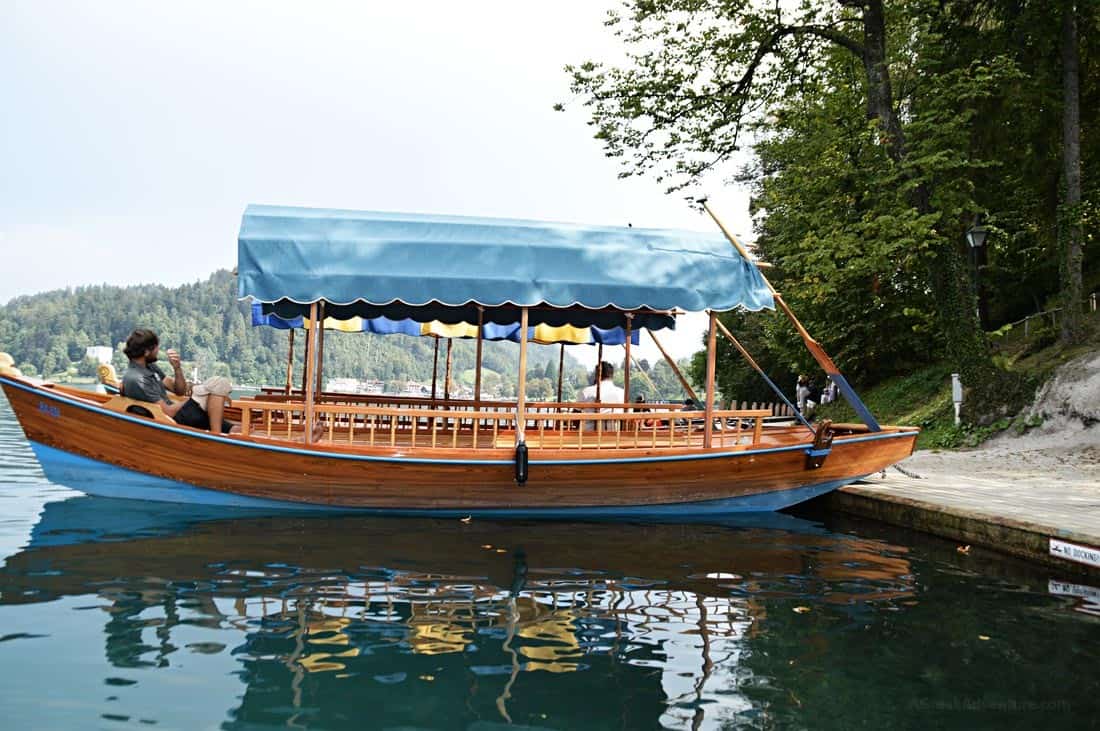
{"points": [[1093, 302]]}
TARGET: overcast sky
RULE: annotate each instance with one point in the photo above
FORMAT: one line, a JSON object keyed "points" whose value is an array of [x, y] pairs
{"points": [[135, 133]]}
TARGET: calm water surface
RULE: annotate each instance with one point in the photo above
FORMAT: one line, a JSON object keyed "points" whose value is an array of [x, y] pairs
{"points": [[119, 613]]}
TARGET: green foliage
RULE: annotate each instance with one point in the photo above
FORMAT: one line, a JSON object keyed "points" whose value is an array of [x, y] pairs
{"points": [[87, 368], [865, 175], [923, 398], [1043, 337], [659, 383], [868, 269], [969, 436], [773, 348]]}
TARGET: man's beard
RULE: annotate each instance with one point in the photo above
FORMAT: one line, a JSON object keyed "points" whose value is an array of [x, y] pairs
{"points": [[151, 358]]}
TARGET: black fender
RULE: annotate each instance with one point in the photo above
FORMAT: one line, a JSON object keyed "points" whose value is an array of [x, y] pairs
{"points": [[521, 463]]}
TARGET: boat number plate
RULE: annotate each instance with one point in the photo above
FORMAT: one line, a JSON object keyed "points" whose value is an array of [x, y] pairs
{"points": [[49, 409], [1074, 552]]}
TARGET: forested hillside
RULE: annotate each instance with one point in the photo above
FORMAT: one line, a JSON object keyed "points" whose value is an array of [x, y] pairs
{"points": [[48, 334]]}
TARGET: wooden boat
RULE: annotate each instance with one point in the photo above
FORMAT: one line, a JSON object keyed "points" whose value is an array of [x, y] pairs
{"points": [[476, 457]]}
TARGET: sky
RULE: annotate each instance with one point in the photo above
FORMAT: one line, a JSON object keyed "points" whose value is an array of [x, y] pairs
{"points": [[135, 133]]}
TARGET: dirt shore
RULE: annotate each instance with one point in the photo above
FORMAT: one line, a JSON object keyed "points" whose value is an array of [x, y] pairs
{"points": [[1065, 449], [1059, 453]]}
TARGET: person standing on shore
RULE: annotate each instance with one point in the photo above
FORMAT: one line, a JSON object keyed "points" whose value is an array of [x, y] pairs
{"points": [[804, 395]]}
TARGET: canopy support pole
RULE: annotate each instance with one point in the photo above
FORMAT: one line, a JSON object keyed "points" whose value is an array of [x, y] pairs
{"points": [[447, 373], [320, 348], [599, 370], [778, 391], [708, 425], [675, 368], [521, 393], [477, 358], [812, 345], [435, 368], [289, 361], [626, 360], [311, 347], [306, 352], [561, 370]]}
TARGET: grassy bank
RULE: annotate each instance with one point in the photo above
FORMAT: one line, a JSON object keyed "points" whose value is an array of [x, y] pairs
{"points": [[923, 398]]}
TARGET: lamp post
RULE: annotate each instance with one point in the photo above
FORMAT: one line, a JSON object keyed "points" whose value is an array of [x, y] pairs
{"points": [[975, 236]]}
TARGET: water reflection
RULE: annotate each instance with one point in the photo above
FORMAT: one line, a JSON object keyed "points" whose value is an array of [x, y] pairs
{"points": [[441, 624], [1087, 597]]}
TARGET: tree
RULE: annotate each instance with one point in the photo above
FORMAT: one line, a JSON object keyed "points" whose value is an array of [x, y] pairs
{"points": [[78, 346], [702, 77], [735, 378], [87, 367], [540, 389], [1071, 233]]}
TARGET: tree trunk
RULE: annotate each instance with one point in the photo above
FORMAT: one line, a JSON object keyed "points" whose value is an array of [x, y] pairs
{"points": [[880, 94], [1070, 214]]}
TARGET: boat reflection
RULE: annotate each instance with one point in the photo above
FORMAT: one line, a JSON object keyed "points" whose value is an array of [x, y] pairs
{"points": [[327, 615]]}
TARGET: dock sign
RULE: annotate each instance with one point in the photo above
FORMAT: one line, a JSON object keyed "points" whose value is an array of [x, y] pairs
{"points": [[1074, 552]]}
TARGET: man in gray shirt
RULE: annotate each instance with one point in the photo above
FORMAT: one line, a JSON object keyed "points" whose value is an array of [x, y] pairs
{"points": [[144, 380]]}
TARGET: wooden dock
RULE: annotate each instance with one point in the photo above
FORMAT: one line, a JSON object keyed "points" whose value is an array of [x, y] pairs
{"points": [[1052, 521]]}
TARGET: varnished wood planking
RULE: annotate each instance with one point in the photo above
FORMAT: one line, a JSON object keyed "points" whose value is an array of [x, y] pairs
{"points": [[238, 466]]}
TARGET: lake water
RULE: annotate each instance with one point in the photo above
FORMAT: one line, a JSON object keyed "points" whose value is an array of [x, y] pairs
{"points": [[119, 613]]}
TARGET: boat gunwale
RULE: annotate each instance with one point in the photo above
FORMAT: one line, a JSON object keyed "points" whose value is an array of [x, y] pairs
{"points": [[320, 450]]}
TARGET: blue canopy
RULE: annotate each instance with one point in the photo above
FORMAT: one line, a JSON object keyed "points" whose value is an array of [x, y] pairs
{"points": [[428, 267]]}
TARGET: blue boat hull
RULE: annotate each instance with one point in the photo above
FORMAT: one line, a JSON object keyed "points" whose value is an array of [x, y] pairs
{"points": [[105, 480]]}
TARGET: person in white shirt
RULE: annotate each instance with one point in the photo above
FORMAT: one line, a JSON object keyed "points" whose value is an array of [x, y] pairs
{"points": [[609, 393]]}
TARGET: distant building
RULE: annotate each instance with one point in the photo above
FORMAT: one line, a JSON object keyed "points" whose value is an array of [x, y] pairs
{"points": [[99, 353], [354, 385], [342, 385], [415, 388]]}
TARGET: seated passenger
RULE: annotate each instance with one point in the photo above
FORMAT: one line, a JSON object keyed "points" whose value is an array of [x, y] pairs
{"points": [[609, 393], [145, 381], [647, 423]]}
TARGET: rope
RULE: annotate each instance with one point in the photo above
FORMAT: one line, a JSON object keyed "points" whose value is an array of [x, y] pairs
{"points": [[905, 472]]}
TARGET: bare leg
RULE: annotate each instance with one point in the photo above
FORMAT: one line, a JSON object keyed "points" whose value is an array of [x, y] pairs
{"points": [[215, 409]]}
